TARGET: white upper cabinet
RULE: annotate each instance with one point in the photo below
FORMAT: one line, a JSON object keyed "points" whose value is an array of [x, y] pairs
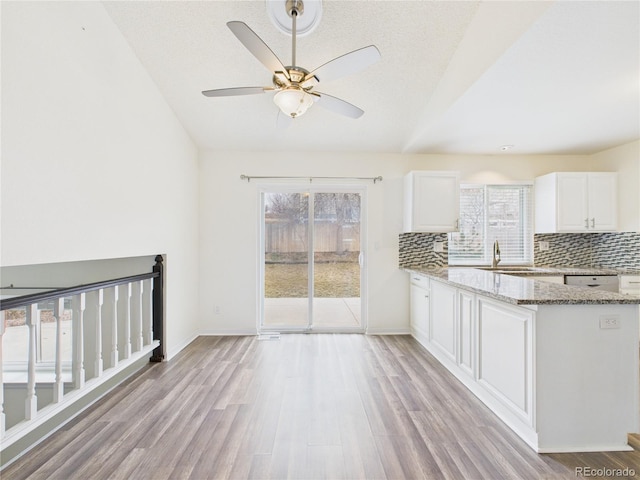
{"points": [[576, 202], [431, 201]]}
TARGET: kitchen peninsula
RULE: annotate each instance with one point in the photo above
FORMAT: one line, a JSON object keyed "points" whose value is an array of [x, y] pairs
{"points": [[557, 363]]}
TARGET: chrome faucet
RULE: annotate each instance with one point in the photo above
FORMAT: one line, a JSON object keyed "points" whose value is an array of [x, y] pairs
{"points": [[496, 254]]}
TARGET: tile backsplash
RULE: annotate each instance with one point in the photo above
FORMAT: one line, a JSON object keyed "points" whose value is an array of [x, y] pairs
{"points": [[416, 249], [606, 250]]}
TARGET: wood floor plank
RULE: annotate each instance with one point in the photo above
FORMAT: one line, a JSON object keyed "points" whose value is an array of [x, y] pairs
{"points": [[302, 407], [442, 453], [260, 436], [359, 448], [391, 462], [199, 444], [213, 440]]}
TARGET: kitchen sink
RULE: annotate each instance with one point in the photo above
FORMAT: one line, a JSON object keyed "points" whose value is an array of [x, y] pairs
{"points": [[512, 269]]}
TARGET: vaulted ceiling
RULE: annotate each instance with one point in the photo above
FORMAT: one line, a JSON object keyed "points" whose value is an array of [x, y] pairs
{"points": [[455, 76]]}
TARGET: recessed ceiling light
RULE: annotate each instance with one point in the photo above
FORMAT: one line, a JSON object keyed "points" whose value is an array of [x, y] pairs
{"points": [[504, 148]]}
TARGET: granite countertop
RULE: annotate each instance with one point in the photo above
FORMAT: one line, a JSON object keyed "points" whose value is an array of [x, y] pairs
{"points": [[519, 290], [546, 270]]}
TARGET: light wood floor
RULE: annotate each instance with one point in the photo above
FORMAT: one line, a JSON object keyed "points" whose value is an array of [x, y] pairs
{"points": [[302, 407]]}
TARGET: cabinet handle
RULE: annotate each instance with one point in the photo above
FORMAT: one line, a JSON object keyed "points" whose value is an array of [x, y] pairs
{"points": [[586, 223], [593, 223], [635, 283], [457, 224]]}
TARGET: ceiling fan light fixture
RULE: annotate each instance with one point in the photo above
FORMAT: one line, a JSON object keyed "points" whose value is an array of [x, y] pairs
{"points": [[293, 101]]}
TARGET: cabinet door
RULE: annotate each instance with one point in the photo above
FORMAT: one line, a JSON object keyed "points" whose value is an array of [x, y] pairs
{"points": [[419, 312], [573, 197], [443, 319], [505, 355], [603, 202], [630, 285], [432, 203], [466, 328]]}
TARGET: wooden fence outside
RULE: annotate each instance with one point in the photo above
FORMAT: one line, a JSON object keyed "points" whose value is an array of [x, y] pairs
{"points": [[328, 237]]}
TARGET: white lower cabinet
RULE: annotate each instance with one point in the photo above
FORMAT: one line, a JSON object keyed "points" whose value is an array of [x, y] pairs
{"points": [[630, 285], [505, 355], [553, 373], [442, 333], [419, 307], [486, 343], [466, 332]]}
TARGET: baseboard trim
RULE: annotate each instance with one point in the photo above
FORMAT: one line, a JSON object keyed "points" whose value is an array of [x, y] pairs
{"points": [[388, 331]]}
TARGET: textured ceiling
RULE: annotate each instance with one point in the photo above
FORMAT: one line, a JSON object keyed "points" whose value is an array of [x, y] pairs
{"points": [[455, 77]]}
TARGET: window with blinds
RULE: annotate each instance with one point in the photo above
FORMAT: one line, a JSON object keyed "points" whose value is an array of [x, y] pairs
{"points": [[489, 213]]}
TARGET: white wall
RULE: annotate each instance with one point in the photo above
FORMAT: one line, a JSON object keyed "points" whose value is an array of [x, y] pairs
{"points": [[500, 168], [229, 221], [70, 274], [625, 160], [95, 165], [229, 232]]}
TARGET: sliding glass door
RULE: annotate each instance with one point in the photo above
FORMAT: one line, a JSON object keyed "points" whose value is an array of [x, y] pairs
{"points": [[311, 260]]}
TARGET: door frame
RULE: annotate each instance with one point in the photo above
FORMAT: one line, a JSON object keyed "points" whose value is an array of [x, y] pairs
{"points": [[316, 187]]}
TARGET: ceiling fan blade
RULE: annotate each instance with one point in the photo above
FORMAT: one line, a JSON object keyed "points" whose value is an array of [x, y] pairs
{"points": [[337, 105], [257, 47], [229, 92], [346, 64]]}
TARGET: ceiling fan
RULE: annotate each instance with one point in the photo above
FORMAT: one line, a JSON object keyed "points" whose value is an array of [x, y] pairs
{"points": [[294, 85]]}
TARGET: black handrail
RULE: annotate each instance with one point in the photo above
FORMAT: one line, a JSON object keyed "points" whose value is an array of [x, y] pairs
{"points": [[30, 299], [158, 302]]}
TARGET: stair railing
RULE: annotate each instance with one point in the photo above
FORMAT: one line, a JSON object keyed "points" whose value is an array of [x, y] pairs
{"points": [[58, 345]]}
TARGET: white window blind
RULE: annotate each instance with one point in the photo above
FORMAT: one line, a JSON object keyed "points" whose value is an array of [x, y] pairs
{"points": [[493, 212]]}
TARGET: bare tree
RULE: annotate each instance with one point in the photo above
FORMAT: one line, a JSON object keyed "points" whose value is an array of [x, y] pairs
{"points": [[341, 209], [292, 207]]}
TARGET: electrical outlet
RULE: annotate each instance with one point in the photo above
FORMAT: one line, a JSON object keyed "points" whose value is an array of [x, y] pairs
{"points": [[438, 247], [543, 246], [610, 321], [216, 310]]}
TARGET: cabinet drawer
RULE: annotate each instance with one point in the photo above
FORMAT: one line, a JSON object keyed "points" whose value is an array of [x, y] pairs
{"points": [[420, 281], [630, 283]]}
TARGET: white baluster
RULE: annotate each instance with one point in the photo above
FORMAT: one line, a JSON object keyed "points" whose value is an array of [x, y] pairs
{"points": [[147, 311], [58, 387], [31, 402], [125, 321], [98, 333], [136, 315], [78, 306], [2, 416], [111, 323], [37, 323]]}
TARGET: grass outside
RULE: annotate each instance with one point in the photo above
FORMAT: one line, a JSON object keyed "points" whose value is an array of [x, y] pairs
{"points": [[333, 279]]}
